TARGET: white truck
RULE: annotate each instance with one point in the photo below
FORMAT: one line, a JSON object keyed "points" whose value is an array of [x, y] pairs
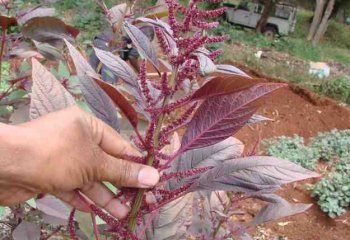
{"points": [[282, 22]]}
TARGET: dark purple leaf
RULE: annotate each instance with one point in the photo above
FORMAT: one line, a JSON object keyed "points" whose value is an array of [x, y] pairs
{"points": [[229, 69], [120, 101], [119, 67], [52, 206], [6, 22], [48, 51], [21, 114], [48, 29], [148, 31], [23, 50], [82, 66], [99, 102], [27, 231], [157, 23], [225, 85], [125, 72], [166, 31], [251, 174], [219, 117], [48, 95], [277, 208], [206, 65], [48, 219], [157, 11], [35, 12], [171, 219], [116, 13], [142, 43], [205, 157]]}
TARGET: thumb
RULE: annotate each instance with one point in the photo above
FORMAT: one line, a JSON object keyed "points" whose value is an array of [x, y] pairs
{"points": [[127, 174]]}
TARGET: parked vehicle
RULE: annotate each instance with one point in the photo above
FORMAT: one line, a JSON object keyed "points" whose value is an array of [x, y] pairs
{"points": [[282, 22]]}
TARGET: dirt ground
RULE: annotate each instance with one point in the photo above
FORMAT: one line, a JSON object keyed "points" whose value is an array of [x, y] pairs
{"points": [[298, 111]]}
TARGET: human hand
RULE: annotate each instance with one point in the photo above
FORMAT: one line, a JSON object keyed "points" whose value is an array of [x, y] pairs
{"points": [[64, 151]]}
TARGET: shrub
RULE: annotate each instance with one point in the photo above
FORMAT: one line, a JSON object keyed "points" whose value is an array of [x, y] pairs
{"points": [[333, 193], [338, 89], [332, 145]]}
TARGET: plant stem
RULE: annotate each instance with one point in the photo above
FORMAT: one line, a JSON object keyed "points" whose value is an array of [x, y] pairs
{"points": [[138, 199], [226, 209], [3, 42]]}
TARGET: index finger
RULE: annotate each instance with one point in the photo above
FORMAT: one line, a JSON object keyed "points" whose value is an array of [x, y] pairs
{"points": [[114, 144]]}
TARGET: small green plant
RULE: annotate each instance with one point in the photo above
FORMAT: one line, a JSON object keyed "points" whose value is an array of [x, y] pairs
{"points": [[292, 148], [332, 145], [333, 191]]}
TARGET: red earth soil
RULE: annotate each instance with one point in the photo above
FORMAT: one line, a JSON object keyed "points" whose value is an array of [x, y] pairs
{"points": [[298, 111]]}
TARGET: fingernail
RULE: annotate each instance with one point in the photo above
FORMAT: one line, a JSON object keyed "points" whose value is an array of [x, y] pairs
{"points": [[148, 177]]}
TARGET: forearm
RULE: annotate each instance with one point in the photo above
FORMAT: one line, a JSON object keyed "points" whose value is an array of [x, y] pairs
{"points": [[7, 150], [12, 151]]}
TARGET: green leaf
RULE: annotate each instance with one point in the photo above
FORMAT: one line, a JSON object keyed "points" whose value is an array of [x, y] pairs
{"points": [[83, 105], [63, 70], [17, 94], [99, 221], [85, 225], [110, 187], [31, 202], [5, 111], [2, 211]]}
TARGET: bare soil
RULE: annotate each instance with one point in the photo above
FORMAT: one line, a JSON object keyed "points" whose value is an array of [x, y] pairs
{"points": [[297, 111]]}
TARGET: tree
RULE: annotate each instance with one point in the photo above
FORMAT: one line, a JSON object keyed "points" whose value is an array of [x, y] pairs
{"points": [[320, 21], [268, 6]]}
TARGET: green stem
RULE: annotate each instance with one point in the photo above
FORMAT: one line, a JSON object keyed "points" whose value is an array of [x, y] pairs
{"points": [[3, 42], [139, 196]]}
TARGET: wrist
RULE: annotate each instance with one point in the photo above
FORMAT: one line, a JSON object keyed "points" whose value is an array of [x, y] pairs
{"points": [[14, 147]]}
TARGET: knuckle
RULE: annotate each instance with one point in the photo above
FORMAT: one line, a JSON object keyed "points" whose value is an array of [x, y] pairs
{"points": [[125, 174]]}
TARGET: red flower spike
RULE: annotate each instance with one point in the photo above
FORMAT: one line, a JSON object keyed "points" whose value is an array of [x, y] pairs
{"points": [[162, 41], [172, 5], [211, 13], [164, 85], [189, 15], [184, 174], [71, 226], [178, 122], [215, 54], [138, 143], [150, 132], [205, 25], [143, 81], [104, 216], [172, 106], [216, 39], [168, 196]]}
